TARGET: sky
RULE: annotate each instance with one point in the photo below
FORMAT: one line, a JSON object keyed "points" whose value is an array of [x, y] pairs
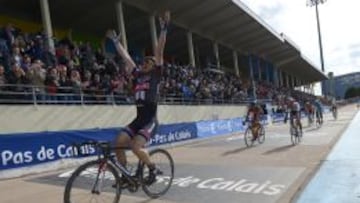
{"points": [[339, 28]]}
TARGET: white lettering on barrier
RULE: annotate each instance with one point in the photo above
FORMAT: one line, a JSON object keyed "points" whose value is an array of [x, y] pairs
{"points": [[8, 157], [218, 184], [171, 137], [68, 151]]}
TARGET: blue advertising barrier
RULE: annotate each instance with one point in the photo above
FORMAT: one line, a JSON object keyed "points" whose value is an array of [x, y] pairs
{"points": [[278, 117], [174, 133], [28, 149], [219, 127]]}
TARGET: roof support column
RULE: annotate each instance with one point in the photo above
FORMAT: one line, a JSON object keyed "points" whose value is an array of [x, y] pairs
{"points": [[276, 77], [267, 72], [46, 21], [191, 49], [216, 54], [258, 61], [153, 32], [287, 78], [236, 63], [121, 23], [251, 67], [281, 80]]}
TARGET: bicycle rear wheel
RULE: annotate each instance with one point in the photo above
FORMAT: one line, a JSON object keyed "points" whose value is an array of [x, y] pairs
{"points": [[261, 138], [248, 137], [94, 181], [164, 173], [295, 135]]}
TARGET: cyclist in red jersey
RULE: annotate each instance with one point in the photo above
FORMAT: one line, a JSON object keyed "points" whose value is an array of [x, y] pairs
{"points": [[254, 112]]}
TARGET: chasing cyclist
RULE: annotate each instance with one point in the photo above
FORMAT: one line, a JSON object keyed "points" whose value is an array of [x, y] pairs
{"points": [[310, 110], [334, 108], [293, 107], [319, 111], [254, 113]]}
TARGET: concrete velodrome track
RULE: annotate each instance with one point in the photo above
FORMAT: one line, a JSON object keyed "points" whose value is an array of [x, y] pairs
{"points": [[219, 169]]}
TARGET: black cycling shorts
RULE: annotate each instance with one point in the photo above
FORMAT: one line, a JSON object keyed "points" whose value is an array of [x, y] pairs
{"points": [[145, 123]]}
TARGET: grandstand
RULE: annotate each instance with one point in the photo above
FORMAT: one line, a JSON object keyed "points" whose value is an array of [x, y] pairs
{"points": [[218, 52]]}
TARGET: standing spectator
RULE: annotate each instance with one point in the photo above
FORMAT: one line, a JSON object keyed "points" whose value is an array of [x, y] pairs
{"points": [[76, 85], [65, 84], [3, 80], [8, 35], [26, 64], [96, 88], [17, 80], [36, 76], [16, 56], [52, 84]]}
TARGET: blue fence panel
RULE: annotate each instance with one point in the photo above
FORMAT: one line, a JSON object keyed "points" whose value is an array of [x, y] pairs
{"points": [[174, 133], [219, 127], [26, 149]]}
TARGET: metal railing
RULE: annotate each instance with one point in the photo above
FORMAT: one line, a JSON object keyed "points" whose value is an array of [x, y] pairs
{"points": [[35, 95]]}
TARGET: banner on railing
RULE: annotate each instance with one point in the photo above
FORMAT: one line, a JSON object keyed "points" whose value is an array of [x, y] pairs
{"points": [[219, 127], [19, 150], [174, 133], [27, 149]]}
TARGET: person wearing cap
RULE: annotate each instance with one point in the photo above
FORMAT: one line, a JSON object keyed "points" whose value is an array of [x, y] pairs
{"points": [[146, 79]]}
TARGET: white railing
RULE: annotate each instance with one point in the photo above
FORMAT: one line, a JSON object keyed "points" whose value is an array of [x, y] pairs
{"points": [[30, 94]]}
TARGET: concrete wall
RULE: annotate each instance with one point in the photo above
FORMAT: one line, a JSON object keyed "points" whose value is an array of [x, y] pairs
{"points": [[29, 118]]}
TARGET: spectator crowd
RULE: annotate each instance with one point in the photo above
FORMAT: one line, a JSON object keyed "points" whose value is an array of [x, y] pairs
{"points": [[77, 68]]}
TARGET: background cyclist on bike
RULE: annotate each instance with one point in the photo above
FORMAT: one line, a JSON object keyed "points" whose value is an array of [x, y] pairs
{"points": [[254, 113], [334, 106], [294, 109], [309, 109], [146, 79], [318, 108]]}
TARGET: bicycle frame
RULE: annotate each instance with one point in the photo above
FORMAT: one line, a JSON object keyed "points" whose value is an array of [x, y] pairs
{"points": [[105, 155]]}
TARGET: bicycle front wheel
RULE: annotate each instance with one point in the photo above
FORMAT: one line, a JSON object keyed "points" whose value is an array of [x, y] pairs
{"points": [[261, 138], [94, 181], [164, 173], [248, 137], [295, 135]]}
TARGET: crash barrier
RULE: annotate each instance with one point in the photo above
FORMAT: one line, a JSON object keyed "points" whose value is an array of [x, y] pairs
{"points": [[27, 153]]}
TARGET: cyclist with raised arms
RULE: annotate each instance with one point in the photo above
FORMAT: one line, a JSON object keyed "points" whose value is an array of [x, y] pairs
{"points": [[146, 80]]}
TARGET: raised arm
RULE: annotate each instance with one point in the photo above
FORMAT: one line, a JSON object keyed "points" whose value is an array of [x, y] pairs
{"points": [[159, 52], [129, 63]]}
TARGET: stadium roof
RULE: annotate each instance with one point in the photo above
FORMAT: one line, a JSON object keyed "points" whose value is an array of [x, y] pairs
{"points": [[228, 22], [234, 25]]}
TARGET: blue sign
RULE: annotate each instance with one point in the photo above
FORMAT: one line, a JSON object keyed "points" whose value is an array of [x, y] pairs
{"points": [[174, 133], [219, 127], [19, 150], [27, 149], [278, 117]]}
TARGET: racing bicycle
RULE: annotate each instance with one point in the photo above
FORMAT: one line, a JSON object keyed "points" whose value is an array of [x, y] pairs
{"points": [[295, 132], [249, 137], [103, 179]]}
